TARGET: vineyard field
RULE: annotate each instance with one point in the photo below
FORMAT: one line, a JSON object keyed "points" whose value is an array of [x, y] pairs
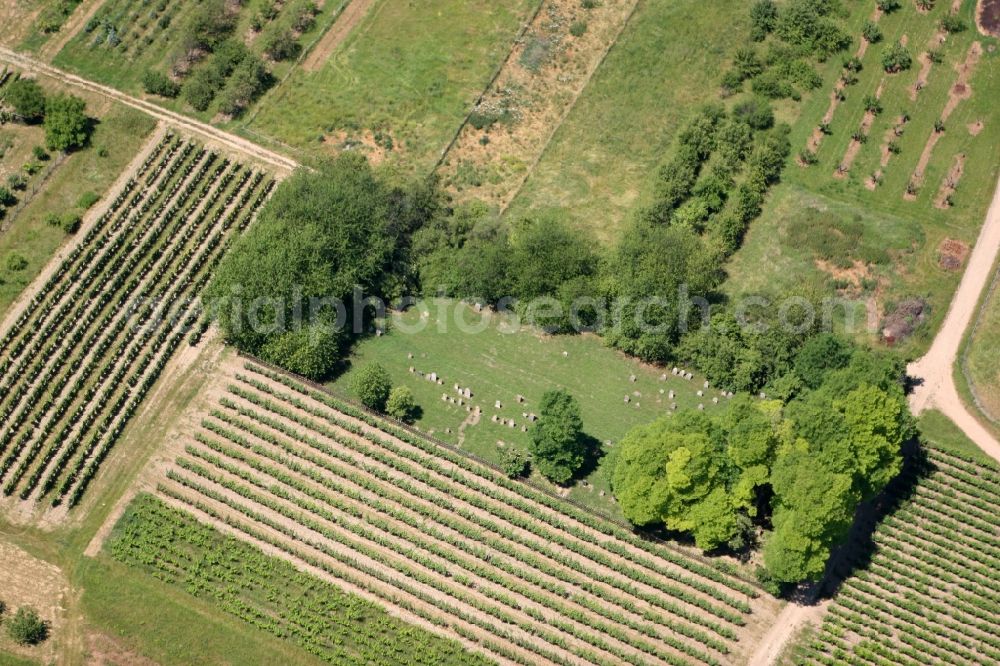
{"points": [[77, 360], [929, 593], [444, 542]]}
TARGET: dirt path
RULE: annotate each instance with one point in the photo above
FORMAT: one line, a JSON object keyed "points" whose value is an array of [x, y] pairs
{"points": [[190, 125], [988, 17], [935, 370], [83, 13], [350, 17], [792, 618]]}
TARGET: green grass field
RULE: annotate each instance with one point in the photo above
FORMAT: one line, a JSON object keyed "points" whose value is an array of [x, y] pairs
{"points": [[601, 161], [117, 137], [908, 233], [982, 361], [408, 71], [500, 366]]}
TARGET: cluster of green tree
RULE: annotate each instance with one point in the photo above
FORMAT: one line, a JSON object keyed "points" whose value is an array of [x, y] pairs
{"points": [[226, 71], [799, 466], [802, 32], [286, 290], [233, 75], [373, 386], [26, 627], [64, 117], [280, 38]]}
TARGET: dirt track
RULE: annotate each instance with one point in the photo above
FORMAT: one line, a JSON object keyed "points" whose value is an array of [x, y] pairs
{"points": [[937, 387], [349, 18], [196, 127]]}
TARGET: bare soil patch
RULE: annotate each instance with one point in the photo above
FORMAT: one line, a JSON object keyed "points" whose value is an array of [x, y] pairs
{"points": [[975, 128], [28, 581], [952, 254], [961, 90], [988, 17], [349, 18], [16, 19], [891, 135], [950, 183], [537, 87]]}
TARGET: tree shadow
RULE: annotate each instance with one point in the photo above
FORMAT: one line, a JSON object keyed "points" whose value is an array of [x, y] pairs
{"points": [[592, 460], [856, 553]]}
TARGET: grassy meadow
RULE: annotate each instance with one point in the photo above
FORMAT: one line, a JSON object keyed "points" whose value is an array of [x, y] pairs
{"points": [[601, 161], [118, 136], [498, 365], [982, 363], [405, 78], [895, 239]]}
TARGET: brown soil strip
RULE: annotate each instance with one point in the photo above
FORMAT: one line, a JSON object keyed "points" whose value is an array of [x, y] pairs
{"points": [[988, 17], [349, 18], [961, 90], [950, 182], [817, 136], [891, 135], [83, 13], [855, 146], [536, 103], [975, 128]]}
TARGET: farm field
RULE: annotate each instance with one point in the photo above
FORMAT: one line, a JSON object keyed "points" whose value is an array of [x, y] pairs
{"points": [[345, 497], [123, 40], [499, 366], [602, 159], [443, 55], [843, 229], [59, 185], [75, 369], [926, 594]]}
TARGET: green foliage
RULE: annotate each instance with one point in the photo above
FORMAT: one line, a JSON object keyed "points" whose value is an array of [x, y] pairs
{"points": [[157, 83], [952, 23], [558, 446], [26, 627], [282, 45], [373, 385], [309, 351], [888, 6], [17, 181], [16, 262], [66, 123], [871, 31], [763, 19], [208, 26], [88, 199], [27, 98], [578, 28], [401, 404], [807, 24], [39, 153], [200, 88], [514, 462], [7, 197], [323, 233], [896, 58], [755, 112], [819, 355]]}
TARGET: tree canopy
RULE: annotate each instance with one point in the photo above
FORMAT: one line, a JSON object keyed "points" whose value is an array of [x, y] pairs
{"points": [[558, 446], [27, 98], [66, 122]]}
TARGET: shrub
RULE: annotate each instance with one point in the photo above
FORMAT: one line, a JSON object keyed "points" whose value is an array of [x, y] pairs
{"points": [[282, 46], [401, 405], [70, 222], [6, 198], [39, 153], [88, 199], [200, 88], [952, 24], [871, 32], [17, 182], [888, 6], [763, 18], [872, 104], [26, 627], [755, 112], [158, 83], [515, 462], [16, 262], [578, 28], [372, 384], [896, 58], [27, 98]]}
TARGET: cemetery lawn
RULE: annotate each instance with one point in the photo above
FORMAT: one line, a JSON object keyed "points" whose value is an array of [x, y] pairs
{"points": [[901, 239], [500, 366], [602, 160], [400, 83]]}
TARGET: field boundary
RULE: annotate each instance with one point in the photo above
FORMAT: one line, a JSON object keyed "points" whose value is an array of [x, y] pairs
{"points": [[493, 79], [632, 529], [29, 194], [967, 348]]}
